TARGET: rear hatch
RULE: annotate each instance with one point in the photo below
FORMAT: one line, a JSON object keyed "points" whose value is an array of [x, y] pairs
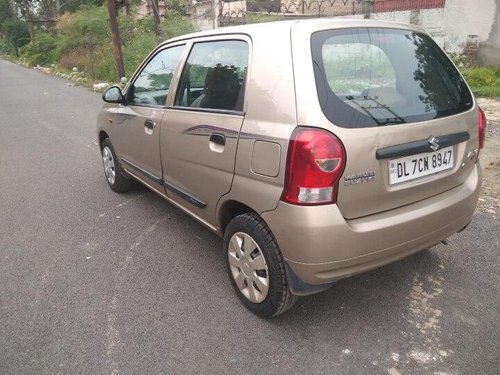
{"points": [[402, 110]]}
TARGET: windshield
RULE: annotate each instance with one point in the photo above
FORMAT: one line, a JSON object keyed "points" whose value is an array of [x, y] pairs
{"points": [[376, 76]]}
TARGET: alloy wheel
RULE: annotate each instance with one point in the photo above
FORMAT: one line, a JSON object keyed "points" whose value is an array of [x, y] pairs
{"points": [[109, 165]]}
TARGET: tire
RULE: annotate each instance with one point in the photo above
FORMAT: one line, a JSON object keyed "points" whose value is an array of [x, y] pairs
{"points": [[252, 265], [118, 180]]}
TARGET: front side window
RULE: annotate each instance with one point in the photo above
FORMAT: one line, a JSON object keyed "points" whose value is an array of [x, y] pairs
{"points": [[153, 82], [375, 76], [214, 76]]}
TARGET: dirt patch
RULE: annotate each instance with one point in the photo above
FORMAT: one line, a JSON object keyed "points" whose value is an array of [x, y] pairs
{"points": [[490, 158]]}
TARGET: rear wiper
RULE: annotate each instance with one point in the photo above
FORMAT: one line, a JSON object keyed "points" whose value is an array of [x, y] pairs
{"points": [[391, 121], [388, 121]]}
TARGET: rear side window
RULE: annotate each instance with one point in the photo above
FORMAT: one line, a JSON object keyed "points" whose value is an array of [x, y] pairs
{"points": [[214, 76], [369, 77]]}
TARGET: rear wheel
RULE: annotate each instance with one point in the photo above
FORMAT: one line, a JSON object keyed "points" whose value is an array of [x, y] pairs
{"points": [[118, 180], [256, 267]]}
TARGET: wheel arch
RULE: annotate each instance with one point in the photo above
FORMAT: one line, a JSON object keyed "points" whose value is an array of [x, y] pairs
{"points": [[229, 210], [102, 136]]}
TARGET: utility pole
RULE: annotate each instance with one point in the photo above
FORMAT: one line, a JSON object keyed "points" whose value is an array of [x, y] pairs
{"points": [[27, 14], [214, 16], [366, 8], [156, 18], [116, 38], [127, 7]]}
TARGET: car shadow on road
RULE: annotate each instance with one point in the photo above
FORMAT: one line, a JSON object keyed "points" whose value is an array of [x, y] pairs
{"points": [[373, 295], [370, 296], [372, 317]]}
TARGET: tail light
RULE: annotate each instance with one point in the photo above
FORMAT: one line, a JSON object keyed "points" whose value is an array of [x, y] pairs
{"points": [[315, 162], [482, 127]]}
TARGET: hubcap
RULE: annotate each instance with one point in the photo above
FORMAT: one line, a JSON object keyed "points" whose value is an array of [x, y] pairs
{"points": [[109, 165], [248, 267]]}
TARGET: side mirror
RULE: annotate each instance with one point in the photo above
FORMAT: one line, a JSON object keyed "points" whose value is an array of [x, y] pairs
{"points": [[113, 95]]}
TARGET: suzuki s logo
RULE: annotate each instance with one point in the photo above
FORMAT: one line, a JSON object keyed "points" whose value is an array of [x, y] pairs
{"points": [[433, 143]]}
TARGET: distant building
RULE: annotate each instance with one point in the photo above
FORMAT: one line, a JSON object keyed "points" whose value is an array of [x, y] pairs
{"points": [[393, 5], [146, 8]]}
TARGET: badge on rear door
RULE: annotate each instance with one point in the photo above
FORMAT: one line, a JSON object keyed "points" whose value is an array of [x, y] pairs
{"points": [[359, 178], [433, 143]]}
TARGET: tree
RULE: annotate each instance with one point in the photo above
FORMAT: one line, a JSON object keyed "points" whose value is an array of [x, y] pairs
{"points": [[73, 5], [117, 44], [6, 12], [13, 30], [16, 34]]}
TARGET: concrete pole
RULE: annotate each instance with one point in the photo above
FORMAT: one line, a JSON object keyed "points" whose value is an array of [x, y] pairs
{"points": [[156, 18], [116, 38]]}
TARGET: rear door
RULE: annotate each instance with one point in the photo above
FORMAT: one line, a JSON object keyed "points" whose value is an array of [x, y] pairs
{"points": [[402, 111], [200, 131]]}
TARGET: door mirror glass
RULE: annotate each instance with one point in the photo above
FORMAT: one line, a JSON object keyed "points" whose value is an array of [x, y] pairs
{"points": [[113, 95]]}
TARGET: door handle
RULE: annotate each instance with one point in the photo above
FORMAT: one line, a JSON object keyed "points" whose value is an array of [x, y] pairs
{"points": [[149, 124], [218, 139]]}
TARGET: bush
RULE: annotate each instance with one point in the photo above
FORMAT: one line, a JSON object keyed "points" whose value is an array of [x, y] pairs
{"points": [[4, 47], [106, 69], [83, 39], [484, 81], [139, 39], [175, 8], [176, 25], [480, 77], [458, 59], [16, 34], [42, 50], [85, 29], [70, 60]]}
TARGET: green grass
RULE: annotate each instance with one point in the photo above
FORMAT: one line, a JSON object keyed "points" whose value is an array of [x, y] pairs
{"points": [[484, 82], [252, 17]]}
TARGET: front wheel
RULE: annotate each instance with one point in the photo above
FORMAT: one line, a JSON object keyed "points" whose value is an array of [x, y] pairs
{"points": [[256, 267], [118, 180]]}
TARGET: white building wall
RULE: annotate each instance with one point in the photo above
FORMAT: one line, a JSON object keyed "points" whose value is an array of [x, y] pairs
{"points": [[468, 17], [451, 26]]}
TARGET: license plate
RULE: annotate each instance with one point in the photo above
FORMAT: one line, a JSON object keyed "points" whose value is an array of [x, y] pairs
{"points": [[411, 167]]}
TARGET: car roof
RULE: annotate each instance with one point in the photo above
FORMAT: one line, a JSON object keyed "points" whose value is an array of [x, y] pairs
{"points": [[268, 28]]}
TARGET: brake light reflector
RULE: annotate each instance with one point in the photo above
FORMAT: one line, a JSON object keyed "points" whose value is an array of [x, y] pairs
{"points": [[482, 127], [315, 163]]}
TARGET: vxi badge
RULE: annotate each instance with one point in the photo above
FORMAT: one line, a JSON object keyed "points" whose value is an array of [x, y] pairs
{"points": [[359, 178]]}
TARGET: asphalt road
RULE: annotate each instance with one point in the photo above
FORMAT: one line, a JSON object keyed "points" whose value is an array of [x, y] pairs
{"points": [[100, 283]]}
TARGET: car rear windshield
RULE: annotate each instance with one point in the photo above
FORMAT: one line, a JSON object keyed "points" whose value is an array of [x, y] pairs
{"points": [[369, 77]]}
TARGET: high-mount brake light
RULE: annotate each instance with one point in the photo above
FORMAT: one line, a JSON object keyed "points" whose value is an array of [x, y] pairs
{"points": [[315, 163]]}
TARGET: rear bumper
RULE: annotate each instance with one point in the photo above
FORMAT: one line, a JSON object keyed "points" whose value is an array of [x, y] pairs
{"points": [[321, 246]]}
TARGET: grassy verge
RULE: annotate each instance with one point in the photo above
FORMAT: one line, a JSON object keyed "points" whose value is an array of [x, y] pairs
{"points": [[484, 82], [257, 17], [82, 40]]}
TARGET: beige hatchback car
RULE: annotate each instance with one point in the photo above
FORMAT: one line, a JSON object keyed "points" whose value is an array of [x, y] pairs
{"points": [[317, 149]]}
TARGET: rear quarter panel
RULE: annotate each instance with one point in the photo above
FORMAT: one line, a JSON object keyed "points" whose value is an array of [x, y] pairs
{"points": [[270, 117]]}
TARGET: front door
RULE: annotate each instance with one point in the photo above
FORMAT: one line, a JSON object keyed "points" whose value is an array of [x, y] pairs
{"points": [[138, 123]]}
